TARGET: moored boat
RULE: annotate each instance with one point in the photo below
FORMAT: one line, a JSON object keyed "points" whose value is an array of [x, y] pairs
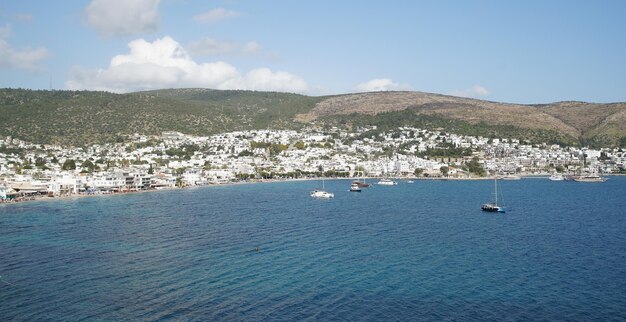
{"points": [[590, 178], [361, 184], [321, 194], [387, 182], [556, 177], [490, 207], [355, 188], [493, 207]]}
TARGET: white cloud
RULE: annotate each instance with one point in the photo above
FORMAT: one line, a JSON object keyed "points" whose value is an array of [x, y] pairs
{"points": [[26, 59], [123, 17], [164, 63], [209, 46], [251, 47], [473, 92], [381, 84], [215, 15], [263, 79]]}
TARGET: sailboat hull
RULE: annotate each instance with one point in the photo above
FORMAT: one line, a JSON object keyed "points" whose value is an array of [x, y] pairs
{"points": [[491, 208], [361, 184]]}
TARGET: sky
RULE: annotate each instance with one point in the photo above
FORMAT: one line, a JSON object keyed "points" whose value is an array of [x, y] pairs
{"points": [[517, 51]]}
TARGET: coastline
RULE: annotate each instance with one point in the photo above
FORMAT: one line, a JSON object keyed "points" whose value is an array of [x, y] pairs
{"points": [[46, 198]]}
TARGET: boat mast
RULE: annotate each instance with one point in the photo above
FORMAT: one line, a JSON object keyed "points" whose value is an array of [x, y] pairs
{"points": [[495, 183]]}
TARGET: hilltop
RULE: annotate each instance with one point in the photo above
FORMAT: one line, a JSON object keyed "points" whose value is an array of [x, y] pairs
{"points": [[85, 117], [562, 122]]}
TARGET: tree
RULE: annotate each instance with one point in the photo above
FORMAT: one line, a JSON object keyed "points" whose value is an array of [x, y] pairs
{"points": [[444, 170], [69, 164], [474, 167], [40, 162], [418, 172], [88, 166], [245, 153]]}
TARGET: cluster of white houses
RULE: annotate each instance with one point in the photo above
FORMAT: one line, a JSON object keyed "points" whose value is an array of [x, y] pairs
{"points": [[175, 159]]}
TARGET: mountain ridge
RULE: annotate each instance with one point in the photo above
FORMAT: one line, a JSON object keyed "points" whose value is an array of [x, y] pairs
{"points": [[83, 117]]}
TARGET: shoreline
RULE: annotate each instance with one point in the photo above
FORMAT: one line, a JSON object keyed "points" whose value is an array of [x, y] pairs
{"points": [[46, 198]]}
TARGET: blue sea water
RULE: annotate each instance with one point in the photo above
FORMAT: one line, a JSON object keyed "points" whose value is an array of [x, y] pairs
{"points": [[410, 252]]}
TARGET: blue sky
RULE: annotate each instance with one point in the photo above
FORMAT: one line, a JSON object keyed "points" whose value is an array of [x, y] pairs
{"points": [[508, 51]]}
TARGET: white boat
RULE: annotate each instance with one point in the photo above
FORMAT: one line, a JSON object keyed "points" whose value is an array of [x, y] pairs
{"points": [[589, 178], [355, 188], [410, 181], [510, 177], [493, 207], [387, 182], [321, 193], [556, 177], [318, 193]]}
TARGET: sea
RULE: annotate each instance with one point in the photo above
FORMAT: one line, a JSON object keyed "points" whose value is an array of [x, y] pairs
{"points": [[421, 251]]}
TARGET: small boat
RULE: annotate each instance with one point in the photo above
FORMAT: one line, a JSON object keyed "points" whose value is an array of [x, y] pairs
{"points": [[361, 184], [318, 193], [489, 207], [510, 177], [355, 188], [410, 181], [321, 193], [493, 207], [556, 177], [387, 182], [589, 178]]}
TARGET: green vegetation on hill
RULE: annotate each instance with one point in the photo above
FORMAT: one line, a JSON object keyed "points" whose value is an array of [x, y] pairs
{"points": [[84, 117], [87, 117]]}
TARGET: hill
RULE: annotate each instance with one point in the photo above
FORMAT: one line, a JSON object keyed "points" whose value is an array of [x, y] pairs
{"points": [[563, 122], [85, 117]]}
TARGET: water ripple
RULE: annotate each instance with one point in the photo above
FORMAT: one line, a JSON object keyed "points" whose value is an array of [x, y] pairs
{"points": [[405, 253]]}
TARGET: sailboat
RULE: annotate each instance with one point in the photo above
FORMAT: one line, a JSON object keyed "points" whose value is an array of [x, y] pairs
{"points": [[589, 177], [386, 181], [493, 207], [361, 182], [322, 193]]}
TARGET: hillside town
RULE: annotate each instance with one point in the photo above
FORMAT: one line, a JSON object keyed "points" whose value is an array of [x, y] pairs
{"points": [[174, 159]]}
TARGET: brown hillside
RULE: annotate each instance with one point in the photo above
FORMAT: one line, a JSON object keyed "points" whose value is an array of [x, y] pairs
{"points": [[465, 109]]}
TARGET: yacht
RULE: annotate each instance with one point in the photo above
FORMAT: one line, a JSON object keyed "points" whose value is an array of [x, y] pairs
{"points": [[493, 207], [361, 184], [589, 178], [387, 182], [355, 188], [322, 193], [556, 177], [318, 193]]}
